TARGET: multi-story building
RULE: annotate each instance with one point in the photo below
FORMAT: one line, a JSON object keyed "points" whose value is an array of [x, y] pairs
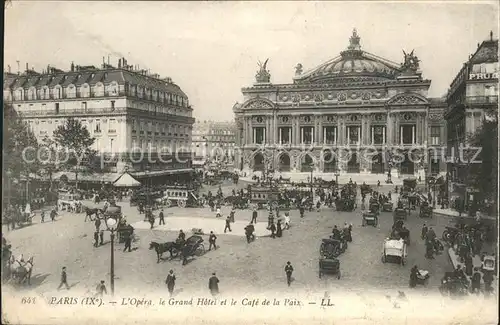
{"points": [[354, 115], [472, 94], [130, 113], [213, 140]]}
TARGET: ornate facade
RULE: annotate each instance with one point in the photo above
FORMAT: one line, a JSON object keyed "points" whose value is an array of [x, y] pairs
{"points": [[125, 109], [355, 114]]}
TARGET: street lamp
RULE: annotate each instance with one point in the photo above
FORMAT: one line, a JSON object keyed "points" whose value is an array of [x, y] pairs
{"points": [[311, 165], [110, 225], [337, 174]]}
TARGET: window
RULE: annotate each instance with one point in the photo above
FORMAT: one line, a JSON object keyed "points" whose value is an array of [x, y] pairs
{"points": [[353, 135], [84, 106], [329, 135], [112, 126], [85, 90], [306, 134], [97, 126], [71, 91], [134, 126], [112, 105], [435, 135], [57, 108], [378, 134], [435, 166], [407, 134], [57, 92], [259, 135]]}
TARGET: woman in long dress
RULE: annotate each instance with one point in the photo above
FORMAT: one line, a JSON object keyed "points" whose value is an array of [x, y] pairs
{"points": [[279, 230]]}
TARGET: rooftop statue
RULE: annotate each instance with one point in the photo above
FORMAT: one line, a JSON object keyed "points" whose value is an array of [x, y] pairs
{"points": [[298, 69], [411, 62], [263, 75]]}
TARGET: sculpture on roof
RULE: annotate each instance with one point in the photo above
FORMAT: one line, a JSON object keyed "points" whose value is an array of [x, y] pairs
{"points": [[411, 62], [263, 74], [354, 41], [298, 69]]}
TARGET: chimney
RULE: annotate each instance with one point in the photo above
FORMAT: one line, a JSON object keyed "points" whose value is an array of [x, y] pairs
{"points": [[491, 35], [8, 68], [27, 68], [103, 62], [477, 44], [72, 67]]}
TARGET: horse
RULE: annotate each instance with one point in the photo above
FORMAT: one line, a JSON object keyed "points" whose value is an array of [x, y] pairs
{"points": [[90, 212], [21, 270], [162, 248]]}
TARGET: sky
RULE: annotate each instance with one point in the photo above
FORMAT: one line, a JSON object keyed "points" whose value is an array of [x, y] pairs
{"points": [[211, 49]]}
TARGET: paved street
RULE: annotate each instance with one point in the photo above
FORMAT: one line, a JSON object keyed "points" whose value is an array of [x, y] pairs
{"points": [[240, 266]]}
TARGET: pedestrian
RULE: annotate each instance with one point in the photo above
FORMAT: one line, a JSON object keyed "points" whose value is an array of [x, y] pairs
{"points": [[288, 272], [273, 230], [96, 238], [279, 229], [218, 213], [213, 285], [287, 220], [254, 216], [211, 241], [476, 281], [97, 224], [151, 219], [170, 282], [43, 216], [53, 214], [64, 279], [128, 242], [488, 280], [301, 209], [231, 215], [162, 218], [101, 237], [424, 231], [228, 224], [101, 289]]}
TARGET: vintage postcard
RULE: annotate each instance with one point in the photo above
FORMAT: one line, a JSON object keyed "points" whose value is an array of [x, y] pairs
{"points": [[250, 162]]}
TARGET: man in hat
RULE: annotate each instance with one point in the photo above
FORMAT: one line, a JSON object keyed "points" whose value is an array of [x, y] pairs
{"points": [[211, 240], [254, 216], [213, 285], [162, 218], [170, 282], [288, 272], [101, 289], [64, 279], [228, 224]]}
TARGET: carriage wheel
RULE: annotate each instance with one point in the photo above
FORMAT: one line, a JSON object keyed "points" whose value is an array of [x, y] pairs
{"points": [[181, 204], [168, 203], [200, 250]]}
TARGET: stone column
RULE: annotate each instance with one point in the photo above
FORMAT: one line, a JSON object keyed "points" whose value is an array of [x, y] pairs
{"points": [[339, 131], [319, 132], [388, 126]]}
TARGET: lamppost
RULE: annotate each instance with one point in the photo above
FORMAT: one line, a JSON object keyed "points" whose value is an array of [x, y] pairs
{"points": [[337, 174], [110, 225], [311, 165]]}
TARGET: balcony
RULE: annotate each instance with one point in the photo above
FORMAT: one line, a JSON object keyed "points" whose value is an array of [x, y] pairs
{"points": [[481, 100], [112, 131]]}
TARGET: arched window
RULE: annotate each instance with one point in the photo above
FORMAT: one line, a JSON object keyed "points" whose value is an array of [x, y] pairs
{"points": [[45, 93], [32, 93], [19, 94], [71, 91], [99, 89], [85, 90], [57, 92], [113, 89], [140, 92]]}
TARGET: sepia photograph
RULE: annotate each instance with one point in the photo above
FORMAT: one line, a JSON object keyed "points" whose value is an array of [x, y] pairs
{"points": [[250, 162]]}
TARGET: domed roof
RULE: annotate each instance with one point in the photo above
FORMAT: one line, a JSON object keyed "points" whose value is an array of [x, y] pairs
{"points": [[353, 64]]}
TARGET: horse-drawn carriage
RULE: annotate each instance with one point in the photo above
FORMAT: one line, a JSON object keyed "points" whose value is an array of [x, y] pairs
{"points": [[329, 250], [374, 206], [400, 214], [262, 195], [365, 189], [369, 219], [180, 196], [345, 204], [193, 246], [425, 211], [394, 250], [145, 198], [387, 207], [67, 200], [16, 218]]}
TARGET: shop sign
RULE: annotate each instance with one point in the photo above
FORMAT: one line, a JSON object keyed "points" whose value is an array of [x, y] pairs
{"points": [[483, 76]]}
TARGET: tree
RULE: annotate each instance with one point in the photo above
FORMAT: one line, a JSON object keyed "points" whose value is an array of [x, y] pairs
{"points": [[49, 158], [19, 148], [483, 176], [75, 139]]}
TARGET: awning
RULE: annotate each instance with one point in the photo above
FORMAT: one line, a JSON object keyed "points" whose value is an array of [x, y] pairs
{"points": [[126, 180], [93, 178], [161, 172]]}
